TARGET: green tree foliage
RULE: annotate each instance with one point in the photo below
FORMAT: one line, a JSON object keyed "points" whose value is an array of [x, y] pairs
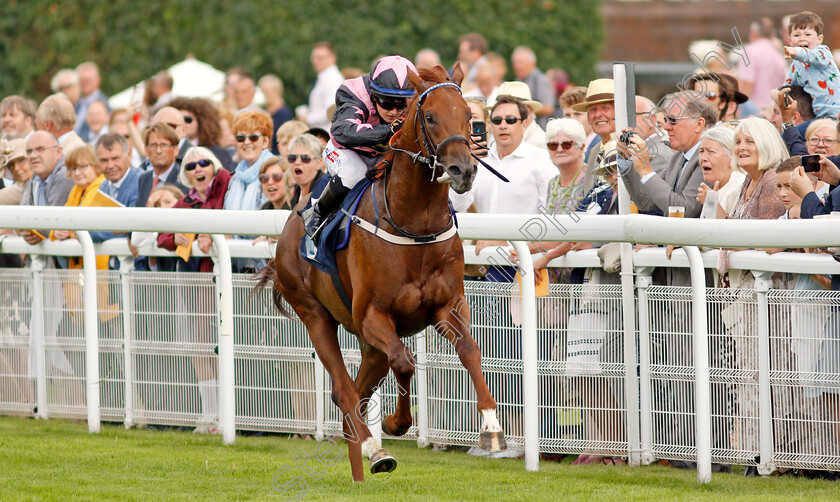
{"points": [[132, 40]]}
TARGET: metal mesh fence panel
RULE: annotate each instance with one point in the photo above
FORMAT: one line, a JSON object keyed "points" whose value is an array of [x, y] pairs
{"points": [[805, 377], [17, 372], [581, 370], [174, 346], [275, 365], [171, 322]]}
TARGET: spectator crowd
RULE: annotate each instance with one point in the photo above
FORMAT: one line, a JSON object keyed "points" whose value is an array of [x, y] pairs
{"points": [[755, 140]]}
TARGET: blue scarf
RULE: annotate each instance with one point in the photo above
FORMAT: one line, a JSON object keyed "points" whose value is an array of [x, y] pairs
{"points": [[244, 191]]}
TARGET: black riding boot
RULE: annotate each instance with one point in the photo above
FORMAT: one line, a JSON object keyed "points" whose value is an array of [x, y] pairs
{"points": [[330, 199]]}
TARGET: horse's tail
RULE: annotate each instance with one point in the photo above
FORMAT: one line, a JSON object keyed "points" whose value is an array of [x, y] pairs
{"points": [[266, 277]]}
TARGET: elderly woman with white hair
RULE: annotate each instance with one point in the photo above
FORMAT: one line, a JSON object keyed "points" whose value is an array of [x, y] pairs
{"points": [[565, 140], [719, 169], [306, 164], [758, 151], [202, 173]]}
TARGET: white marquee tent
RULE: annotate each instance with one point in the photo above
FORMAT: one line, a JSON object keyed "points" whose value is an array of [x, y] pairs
{"points": [[191, 78]]}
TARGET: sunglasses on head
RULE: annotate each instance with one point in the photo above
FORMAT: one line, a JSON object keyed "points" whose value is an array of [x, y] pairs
{"points": [[565, 145], [390, 103], [509, 120], [240, 138], [306, 159], [277, 177], [189, 166], [174, 126]]}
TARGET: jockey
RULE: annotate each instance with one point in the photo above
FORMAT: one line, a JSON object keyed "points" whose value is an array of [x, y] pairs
{"points": [[369, 110]]}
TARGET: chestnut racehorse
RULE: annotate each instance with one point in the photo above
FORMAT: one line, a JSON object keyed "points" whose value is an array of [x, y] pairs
{"points": [[395, 290]]}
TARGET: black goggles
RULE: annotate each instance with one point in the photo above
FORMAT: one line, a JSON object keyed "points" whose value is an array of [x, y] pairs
{"points": [[387, 103]]}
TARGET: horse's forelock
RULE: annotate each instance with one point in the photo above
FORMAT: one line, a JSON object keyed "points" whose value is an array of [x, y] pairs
{"points": [[435, 75], [430, 77]]}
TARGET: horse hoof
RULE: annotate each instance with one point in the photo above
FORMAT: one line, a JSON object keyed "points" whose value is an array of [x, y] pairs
{"points": [[390, 428], [382, 461], [492, 441]]}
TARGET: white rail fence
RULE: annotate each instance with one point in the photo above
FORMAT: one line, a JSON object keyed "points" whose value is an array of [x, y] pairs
{"points": [[748, 376]]}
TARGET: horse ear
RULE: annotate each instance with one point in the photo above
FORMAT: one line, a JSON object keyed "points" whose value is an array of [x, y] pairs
{"points": [[457, 74], [415, 80]]}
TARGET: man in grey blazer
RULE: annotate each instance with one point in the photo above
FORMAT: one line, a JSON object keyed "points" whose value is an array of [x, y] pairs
{"points": [[49, 185], [685, 122]]}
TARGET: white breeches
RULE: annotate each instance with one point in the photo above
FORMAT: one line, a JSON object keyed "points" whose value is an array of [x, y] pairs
{"points": [[348, 165]]}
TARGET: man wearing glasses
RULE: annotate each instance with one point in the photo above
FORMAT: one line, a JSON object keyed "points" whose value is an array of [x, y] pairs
{"points": [[685, 122], [369, 110], [174, 119], [529, 170], [49, 185], [162, 147]]}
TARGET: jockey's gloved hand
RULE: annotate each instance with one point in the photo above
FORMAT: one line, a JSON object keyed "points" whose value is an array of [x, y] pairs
{"points": [[396, 126]]}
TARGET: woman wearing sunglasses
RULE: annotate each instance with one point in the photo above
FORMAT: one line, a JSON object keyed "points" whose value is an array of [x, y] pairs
{"points": [[252, 132], [208, 184], [566, 142], [306, 165], [273, 179], [202, 173], [369, 110]]}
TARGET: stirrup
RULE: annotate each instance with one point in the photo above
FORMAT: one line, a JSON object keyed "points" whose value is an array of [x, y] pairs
{"points": [[310, 216]]}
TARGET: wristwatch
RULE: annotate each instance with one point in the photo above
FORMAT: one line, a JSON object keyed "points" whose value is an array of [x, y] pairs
{"points": [[787, 125]]}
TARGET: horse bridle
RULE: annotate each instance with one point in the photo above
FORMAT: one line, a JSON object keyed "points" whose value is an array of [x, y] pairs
{"points": [[430, 160], [425, 139]]}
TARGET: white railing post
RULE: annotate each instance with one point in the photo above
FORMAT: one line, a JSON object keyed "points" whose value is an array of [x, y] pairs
{"points": [[530, 381], [37, 334], [227, 391], [631, 379], [126, 267], [643, 282], [763, 282], [422, 392], [319, 397], [702, 383], [91, 323]]}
